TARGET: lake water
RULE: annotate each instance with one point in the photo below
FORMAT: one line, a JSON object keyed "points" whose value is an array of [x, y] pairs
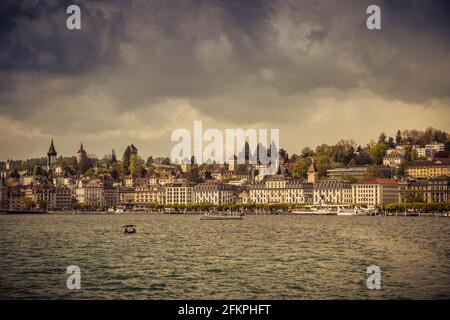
{"points": [[260, 257]]}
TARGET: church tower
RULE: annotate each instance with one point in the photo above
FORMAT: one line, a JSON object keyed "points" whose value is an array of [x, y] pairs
{"points": [[82, 160], [313, 173], [3, 193], [51, 157]]}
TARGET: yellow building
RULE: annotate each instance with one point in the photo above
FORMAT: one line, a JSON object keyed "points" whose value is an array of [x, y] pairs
{"points": [[428, 169]]}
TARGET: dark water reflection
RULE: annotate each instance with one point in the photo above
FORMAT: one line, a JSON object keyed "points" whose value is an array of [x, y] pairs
{"points": [[260, 257]]}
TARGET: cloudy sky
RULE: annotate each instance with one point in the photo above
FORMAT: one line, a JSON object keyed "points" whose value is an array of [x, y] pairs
{"points": [[139, 69]]}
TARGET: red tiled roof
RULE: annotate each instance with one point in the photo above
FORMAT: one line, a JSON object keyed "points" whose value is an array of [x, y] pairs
{"points": [[376, 181]]}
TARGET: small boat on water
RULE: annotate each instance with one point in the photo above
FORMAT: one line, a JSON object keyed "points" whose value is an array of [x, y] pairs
{"points": [[222, 216], [128, 229]]}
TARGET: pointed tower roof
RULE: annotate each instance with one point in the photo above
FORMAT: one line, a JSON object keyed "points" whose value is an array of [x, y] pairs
{"points": [[81, 148], [312, 168], [51, 150]]}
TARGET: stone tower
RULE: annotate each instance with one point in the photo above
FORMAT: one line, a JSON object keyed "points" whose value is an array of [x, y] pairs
{"points": [[313, 173], [82, 160], [51, 157]]}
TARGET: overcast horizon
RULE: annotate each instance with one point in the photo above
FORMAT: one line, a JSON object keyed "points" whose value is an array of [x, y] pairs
{"points": [[137, 70]]}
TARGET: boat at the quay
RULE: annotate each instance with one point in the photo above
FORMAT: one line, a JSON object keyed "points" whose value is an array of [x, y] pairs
{"points": [[222, 216]]}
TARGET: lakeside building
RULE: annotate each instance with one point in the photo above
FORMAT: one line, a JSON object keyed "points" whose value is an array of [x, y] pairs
{"points": [[356, 171], [4, 202], [216, 193], [125, 195], [243, 198], [144, 195], [424, 169], [14, 195], [332, 192], [179, 193], [375, 191], [432, 189], [90, 193], [55, 198], [110, 196], [280, 189]]}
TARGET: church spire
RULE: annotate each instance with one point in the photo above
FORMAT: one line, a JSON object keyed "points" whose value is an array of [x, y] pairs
{"points": [[52, 150]]}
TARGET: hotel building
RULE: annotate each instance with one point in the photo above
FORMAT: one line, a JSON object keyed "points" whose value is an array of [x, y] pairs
{"points": [[179, 193], [428, 169], [215, 193], [280, 189], [375, 191], [433, 189], [332, 192]]}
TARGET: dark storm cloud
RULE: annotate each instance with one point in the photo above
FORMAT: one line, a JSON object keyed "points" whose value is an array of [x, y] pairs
{"points": [[33, 37], [137, 65], [409, 58]]}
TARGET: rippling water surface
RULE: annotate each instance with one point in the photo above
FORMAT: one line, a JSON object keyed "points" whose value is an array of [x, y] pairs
{"points": [[260, 257]]}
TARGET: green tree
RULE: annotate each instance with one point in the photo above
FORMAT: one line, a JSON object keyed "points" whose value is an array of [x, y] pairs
{"points": [[300, 168], [193, 175], [136, 166], [126, 161], [348, 177], [15, 174], [89, 173], [398, 137], [114, 174], [37, 171], [413, 196], [391, 143], [113, 157], [307, 152], [382, 138], [42, 204], [363, 157], [323, 163], [27, 202], [374, 171], [377, 152]]}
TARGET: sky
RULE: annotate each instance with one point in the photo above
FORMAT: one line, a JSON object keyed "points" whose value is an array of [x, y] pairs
{"points": [[139, 69]]}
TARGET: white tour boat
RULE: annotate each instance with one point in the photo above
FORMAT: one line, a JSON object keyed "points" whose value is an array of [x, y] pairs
{"points": [[314, 211], [222, 216]]}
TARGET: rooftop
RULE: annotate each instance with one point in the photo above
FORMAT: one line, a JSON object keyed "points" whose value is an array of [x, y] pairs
{"points": [[383, 181]]}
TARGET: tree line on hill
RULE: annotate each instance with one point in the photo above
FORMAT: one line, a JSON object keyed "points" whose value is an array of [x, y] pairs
{"points": [[343, 153]]}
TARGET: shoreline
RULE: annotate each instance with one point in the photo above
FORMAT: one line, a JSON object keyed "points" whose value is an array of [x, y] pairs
{"points": [[102, 213]]}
